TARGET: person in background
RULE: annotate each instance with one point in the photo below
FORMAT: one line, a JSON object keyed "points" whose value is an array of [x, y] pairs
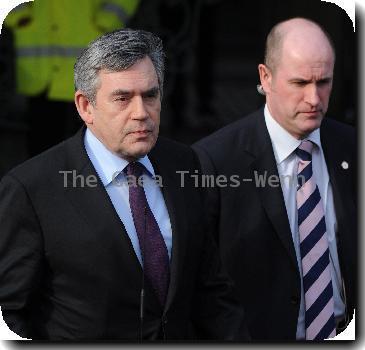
{"points": [[287, 232], [48, 37]]}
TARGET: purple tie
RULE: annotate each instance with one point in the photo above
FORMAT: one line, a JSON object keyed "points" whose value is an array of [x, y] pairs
{"points": [[152, 245], [317, 282]]}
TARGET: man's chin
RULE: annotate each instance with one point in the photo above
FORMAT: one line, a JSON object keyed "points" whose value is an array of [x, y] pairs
{"points": [[304, 132], [313, 123], [139, 150]]}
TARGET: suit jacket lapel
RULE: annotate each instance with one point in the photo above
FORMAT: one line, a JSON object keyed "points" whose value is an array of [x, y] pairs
{"points": [[259, 144], [342, 170], [95, 207], [335, 155], [175, 204]]}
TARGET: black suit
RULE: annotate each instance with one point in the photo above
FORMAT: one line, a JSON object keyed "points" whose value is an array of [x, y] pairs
{"points": [[68, 269], [252, 227]]}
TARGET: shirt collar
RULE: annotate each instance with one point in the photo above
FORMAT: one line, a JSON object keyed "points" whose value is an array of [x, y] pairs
{"points": [[107, 164], [284, 144]]}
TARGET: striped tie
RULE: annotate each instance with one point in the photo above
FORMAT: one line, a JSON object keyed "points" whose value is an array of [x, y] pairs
{"points": [[317, 283]]}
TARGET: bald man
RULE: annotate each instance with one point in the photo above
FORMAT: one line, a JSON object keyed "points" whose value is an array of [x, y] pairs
{"points": [[285, 218]]}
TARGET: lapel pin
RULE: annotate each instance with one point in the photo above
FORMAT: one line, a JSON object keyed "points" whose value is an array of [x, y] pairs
{"points": [[345, 165]]}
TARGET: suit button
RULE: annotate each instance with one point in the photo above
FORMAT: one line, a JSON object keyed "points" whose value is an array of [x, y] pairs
{"points": [[294, 300], [164, 320]]}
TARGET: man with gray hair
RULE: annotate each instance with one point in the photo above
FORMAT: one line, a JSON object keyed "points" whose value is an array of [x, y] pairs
{"points": [[99, 238], [295, 241]]}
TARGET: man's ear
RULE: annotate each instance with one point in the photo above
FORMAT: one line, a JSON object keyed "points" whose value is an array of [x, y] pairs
{"points": [[84, 107], [265, 78]]}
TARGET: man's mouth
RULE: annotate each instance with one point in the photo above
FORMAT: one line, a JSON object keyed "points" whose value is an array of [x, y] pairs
{"points": [[312, 113], [143, 132]]}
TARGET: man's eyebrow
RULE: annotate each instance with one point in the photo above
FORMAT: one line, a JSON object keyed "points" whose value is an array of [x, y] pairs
{"points": [[325, 80], [151, 92], [121, 92], [303, 80]]}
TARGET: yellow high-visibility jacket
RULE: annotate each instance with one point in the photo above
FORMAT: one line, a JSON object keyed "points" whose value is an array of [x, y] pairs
{"points": [[50, 34]]}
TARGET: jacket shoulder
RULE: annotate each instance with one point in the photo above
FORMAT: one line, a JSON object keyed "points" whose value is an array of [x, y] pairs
{"points": [[234, 135], [42, 167], [173, 151], [334, 124], [339, 132]]}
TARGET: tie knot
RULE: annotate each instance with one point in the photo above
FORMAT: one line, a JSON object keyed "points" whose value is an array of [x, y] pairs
{"points": [[134, 169], [304, 151]]}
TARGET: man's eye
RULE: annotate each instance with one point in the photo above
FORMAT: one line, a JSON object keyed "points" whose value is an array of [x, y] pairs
{"points": [[323, 82], [122, 99], [150, 96], [300, 83]]}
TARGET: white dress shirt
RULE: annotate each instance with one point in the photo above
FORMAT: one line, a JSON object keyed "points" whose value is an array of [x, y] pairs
{"points": [[284, 145], [109, 167]]}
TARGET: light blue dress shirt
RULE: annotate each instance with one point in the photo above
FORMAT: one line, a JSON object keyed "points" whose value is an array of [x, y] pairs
{"points": [[284, 145], [109, 167]]}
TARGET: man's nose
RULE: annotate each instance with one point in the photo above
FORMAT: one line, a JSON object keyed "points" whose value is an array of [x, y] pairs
{"points": [[139, 111], [312, 95]]}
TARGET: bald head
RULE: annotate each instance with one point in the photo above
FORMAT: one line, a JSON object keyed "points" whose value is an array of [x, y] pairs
{"points": [[297, 75], [298, 35]]}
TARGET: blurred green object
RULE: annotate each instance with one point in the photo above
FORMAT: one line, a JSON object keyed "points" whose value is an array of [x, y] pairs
{"points": [[50, 34]]}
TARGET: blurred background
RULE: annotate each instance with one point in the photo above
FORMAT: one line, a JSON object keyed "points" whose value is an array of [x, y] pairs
{"points": [[213, 48]]}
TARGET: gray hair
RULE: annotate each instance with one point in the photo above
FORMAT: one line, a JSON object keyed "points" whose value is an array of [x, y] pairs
{"points": [[117, 51]]}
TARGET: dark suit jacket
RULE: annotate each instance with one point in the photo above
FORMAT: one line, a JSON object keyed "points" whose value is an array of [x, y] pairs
{"points": [[68, 270], [252, 228]]}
